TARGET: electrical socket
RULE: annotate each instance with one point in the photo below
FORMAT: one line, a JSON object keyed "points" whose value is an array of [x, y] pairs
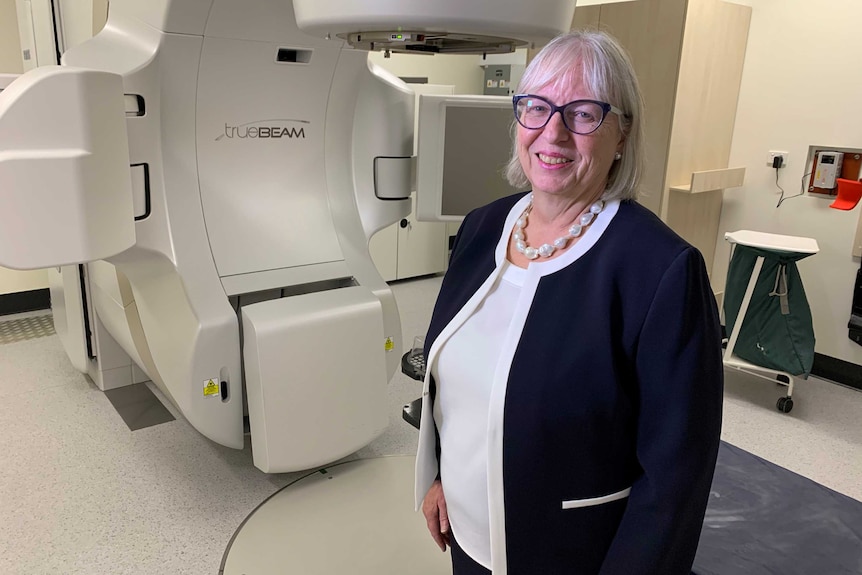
{"points": [[772, 156]]}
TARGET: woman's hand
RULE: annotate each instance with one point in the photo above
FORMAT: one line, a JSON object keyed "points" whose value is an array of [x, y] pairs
{"points": [[436, 515]]}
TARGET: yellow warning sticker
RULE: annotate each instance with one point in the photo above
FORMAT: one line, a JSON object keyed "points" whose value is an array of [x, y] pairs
{"points": [[211, 388], [389, 344]]}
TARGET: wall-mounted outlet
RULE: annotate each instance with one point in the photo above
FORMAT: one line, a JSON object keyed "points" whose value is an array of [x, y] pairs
{"points": [[772, 156]]}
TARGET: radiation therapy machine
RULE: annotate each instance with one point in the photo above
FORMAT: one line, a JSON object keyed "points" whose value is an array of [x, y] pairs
{"points": [[218, 167]]}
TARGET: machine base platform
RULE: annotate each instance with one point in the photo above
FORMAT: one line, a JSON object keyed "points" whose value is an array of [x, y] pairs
{"points": [[355, 517]]}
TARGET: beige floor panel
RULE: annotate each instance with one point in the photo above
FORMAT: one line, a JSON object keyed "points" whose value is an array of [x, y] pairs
{"points": [[354, 517]]}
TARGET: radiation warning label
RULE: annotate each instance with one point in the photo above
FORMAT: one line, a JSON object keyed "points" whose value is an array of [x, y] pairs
{"points": [[211, 388]]}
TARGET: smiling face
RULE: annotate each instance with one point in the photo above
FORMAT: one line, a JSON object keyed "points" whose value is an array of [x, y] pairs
{"points": [[562, 163]]}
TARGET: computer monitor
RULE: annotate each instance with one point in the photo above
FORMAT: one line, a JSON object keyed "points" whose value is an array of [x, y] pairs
{"points": [[464, 144]]}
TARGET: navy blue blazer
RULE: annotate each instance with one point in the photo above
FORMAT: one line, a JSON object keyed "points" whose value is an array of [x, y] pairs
{"points": [[612, 413]]}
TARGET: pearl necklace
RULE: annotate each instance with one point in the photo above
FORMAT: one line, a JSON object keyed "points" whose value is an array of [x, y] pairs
{"points": [[547, 250]]}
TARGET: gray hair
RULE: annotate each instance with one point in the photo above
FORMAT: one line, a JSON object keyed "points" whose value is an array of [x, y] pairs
{"points": [[607, 70]]}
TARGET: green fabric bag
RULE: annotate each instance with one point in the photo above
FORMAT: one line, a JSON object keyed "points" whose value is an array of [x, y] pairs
{"points": [[777, 331]]}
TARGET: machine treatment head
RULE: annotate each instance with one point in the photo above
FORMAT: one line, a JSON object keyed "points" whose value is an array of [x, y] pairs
{"points": [[439, 27]]}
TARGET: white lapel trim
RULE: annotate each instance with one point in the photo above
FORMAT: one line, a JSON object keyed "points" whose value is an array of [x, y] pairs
{"points": [[496, 409], [588, 240]]}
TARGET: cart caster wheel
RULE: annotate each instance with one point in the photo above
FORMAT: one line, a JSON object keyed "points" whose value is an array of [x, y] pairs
{"points": [[785, 404]]}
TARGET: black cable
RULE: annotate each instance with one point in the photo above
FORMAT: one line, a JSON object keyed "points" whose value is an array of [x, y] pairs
{"points": [[801, 188], [57, 31]]}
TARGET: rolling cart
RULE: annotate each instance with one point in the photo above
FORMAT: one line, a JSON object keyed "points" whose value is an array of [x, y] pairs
{"points": [[771, 332]]}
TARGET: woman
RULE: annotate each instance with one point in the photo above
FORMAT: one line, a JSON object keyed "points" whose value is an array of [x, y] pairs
{"points": [[573, 399]]}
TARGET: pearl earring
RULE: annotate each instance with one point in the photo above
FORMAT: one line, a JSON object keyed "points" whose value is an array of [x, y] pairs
{"points": [[618, 156]]}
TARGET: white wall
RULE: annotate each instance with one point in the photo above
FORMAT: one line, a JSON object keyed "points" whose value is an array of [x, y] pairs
{"points": [[12, 281], [801, 86], [461, 71]]}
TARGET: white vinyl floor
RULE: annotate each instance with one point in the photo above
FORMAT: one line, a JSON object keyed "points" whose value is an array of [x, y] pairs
{"points": [[81, 494]]}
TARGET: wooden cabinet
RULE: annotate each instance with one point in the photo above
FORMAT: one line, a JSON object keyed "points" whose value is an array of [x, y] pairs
{"points": [[688, 55]]}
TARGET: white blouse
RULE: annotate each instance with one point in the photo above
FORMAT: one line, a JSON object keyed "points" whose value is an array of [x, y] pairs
{"points": [[466, 364]]}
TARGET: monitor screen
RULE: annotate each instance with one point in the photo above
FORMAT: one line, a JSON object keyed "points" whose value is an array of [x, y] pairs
{"points": [[464, 145]]}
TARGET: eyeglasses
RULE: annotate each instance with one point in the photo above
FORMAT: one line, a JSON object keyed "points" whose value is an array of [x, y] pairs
{"points": [[581, 116]]}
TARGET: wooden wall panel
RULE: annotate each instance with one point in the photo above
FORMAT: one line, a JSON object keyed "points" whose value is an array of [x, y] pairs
{"points": [[716, 34], [688, 55], [10, 42], [586, 17], [652, 32]]}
